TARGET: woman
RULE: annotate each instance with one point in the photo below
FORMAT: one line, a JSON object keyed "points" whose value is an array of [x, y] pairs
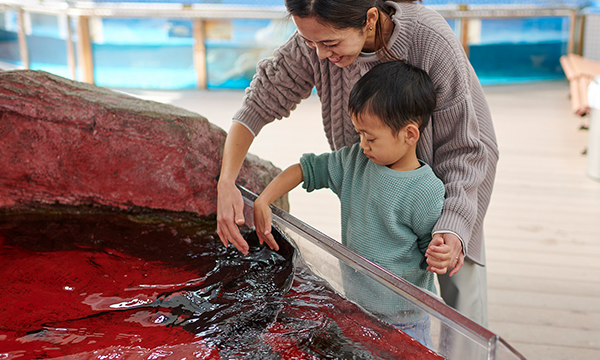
{"points": [[336, 42]]}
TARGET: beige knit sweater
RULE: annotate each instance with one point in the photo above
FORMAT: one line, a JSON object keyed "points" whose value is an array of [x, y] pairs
{"points": [[459, 143]]}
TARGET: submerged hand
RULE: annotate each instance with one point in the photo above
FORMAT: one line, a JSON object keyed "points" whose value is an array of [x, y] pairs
{"points": [[263, 219], [230, 215]]}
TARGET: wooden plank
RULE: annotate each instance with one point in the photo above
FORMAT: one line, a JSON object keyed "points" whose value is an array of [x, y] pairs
{"points": [[574, 259], [579, 71], [200, 52], [545, 317], [550, 351], [571, 40], [574, 339], [84, 50], [543, 272], [541, 246], [565, 62], [584, 107], [576, 95], [464, 29], [533, 284], [22, 38], [542, 228], [580, 35], [71, 50]]}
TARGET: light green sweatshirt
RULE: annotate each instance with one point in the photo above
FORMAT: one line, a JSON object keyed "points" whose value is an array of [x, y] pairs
{"points": [[387, 217]]}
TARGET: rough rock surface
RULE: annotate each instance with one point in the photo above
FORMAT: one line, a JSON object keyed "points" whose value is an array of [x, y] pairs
{"points": [[73, 143]]}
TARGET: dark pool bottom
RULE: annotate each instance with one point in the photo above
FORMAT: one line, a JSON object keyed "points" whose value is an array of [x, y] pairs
{"points": [[83, 283]]}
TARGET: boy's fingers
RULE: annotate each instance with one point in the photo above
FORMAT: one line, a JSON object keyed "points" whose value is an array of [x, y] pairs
{"points": [[439, 254], [438, 264], [268, 238], [437, 240], [272, 243], [439, 271], [263, 236]]}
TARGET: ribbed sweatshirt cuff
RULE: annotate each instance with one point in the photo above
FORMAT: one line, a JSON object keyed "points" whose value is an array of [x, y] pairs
{"points": [[454, 222]]}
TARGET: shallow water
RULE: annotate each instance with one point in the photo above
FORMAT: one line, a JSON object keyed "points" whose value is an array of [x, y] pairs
{"points": [[83, 283]]}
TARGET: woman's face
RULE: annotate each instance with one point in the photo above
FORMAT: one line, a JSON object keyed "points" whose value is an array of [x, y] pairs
{"points": [[340, 46]]}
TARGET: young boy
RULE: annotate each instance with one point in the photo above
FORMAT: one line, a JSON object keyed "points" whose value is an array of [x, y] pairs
{"points": [[390, 200]]}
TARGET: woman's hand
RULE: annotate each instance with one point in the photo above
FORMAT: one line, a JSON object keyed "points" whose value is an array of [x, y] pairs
{"points": [[445, 253], [230, 214], [230, 204]]}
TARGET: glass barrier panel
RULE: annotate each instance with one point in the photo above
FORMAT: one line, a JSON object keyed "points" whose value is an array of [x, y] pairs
{"points": [[505, 351], [518, 50], [9, 39], [157, 53], [151, 53], [234, 47], [47, 43], [451, 335]]}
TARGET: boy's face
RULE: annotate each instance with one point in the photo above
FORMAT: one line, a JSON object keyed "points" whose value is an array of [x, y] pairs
{"points": [[383, 147]]}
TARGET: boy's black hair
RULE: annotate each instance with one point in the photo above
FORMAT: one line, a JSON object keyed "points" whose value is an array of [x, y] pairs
{"points": [[397, 93]]}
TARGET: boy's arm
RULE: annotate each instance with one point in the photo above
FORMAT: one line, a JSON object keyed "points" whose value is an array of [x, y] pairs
{"points": [[281, 185]]}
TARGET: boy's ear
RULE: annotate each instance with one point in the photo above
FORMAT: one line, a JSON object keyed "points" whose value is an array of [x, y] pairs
{"points": [[412, 134]]}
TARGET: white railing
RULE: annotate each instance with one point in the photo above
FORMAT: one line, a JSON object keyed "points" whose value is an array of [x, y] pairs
{"points": [[82, 11]]}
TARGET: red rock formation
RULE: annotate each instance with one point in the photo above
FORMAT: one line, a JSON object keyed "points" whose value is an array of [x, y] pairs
{"points": [[73, 143]]}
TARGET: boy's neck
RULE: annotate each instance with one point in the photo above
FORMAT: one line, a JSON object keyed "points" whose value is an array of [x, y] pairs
{"points": [[408, 162]]}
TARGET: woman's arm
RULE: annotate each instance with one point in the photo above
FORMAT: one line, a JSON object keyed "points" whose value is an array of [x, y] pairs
{"points": [[459, 144], [280, 83], [230, 205]]}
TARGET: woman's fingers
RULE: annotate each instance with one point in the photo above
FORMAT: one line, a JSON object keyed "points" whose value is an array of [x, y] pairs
{"points": [[230, 214]]}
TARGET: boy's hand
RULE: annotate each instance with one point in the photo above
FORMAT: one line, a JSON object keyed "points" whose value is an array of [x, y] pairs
{"points": [[263, 219], [444, 253]]}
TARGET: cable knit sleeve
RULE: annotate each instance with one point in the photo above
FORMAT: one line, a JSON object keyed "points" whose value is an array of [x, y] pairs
{"points": [[280, 83], [452, 145]]}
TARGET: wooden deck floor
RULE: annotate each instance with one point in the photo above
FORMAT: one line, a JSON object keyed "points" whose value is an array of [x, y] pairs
{"points": [[543, 225]]}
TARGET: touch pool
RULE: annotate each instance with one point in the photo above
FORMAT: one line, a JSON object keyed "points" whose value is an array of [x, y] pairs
{"points": [[85, 283], [100, 283]]}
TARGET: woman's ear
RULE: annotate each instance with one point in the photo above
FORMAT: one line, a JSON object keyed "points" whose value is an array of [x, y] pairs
{"points": [[412, 134], [372, 17]]}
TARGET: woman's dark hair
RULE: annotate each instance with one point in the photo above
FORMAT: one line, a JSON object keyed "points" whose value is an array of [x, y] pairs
{"points": [[397, 93], [344, 14]]}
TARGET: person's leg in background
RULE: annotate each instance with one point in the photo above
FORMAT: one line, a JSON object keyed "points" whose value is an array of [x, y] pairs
{"points": [[465, 291]]}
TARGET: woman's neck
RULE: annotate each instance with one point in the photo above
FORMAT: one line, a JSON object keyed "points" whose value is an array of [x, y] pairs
{"points": [[387, 28]]}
